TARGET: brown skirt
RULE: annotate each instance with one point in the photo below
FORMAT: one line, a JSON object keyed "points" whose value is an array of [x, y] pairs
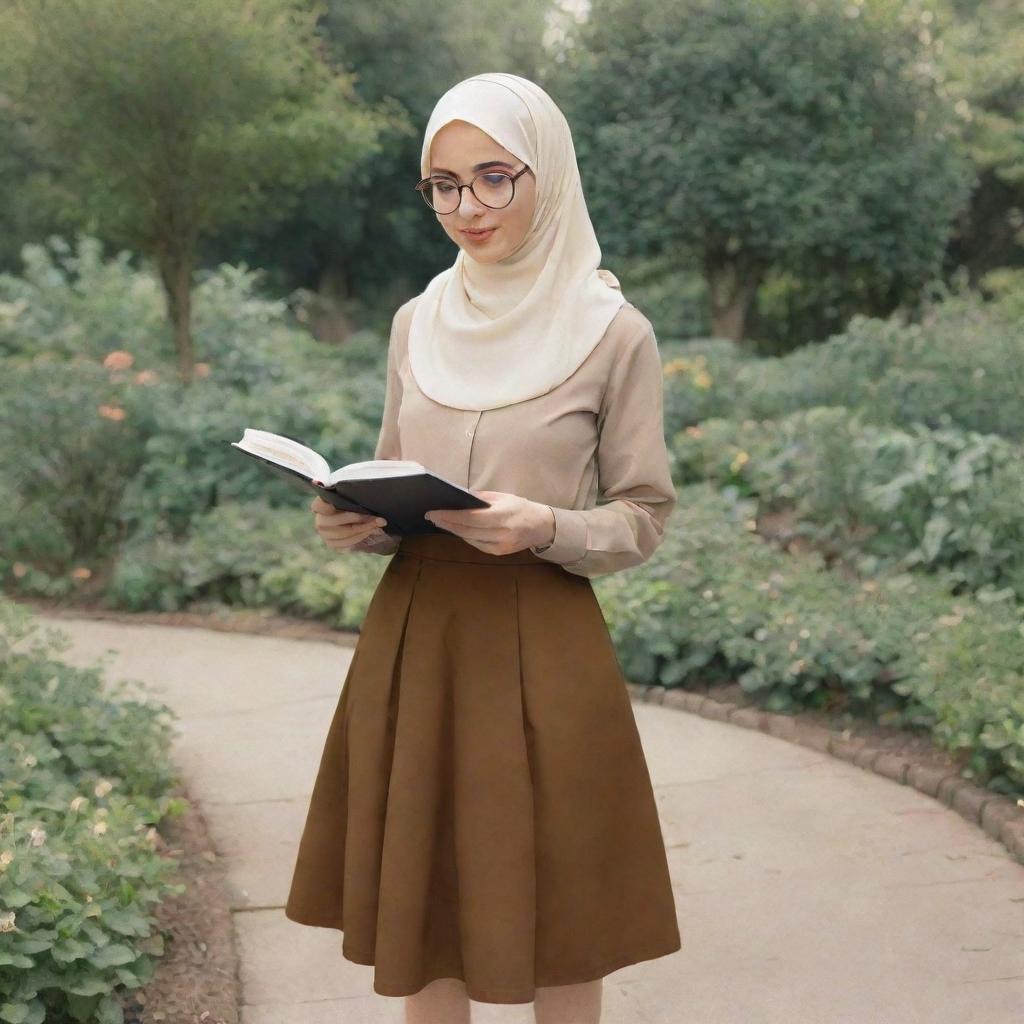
{"points": [[483, 808]]}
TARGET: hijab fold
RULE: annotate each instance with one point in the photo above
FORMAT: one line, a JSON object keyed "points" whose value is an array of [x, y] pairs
{"points": [[486, 335]]}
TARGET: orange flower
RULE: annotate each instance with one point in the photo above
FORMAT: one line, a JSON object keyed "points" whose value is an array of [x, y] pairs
{"points": [[81, 573], [202, 369], [145, 377], [19, 569], [111, 412], [118, 360]]}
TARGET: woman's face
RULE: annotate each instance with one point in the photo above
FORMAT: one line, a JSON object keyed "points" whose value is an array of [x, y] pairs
{"points": [[456, 149]]}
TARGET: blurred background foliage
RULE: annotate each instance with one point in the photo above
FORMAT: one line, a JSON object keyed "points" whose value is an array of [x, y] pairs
{"points": [[756, 169]]}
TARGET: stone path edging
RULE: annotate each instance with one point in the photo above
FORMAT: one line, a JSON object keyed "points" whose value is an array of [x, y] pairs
{"points": [[1000, 817]]}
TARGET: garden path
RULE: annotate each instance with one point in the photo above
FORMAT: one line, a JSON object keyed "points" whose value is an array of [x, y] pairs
{"points": [[808, 891]]}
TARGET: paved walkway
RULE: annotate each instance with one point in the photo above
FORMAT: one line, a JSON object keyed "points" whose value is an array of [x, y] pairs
{"points": [[809, 891]]}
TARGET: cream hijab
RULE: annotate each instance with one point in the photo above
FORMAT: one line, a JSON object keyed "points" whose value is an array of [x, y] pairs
{"points": [[488, 335]]}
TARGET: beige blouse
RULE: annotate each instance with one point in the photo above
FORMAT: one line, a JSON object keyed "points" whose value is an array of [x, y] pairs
{"points": [[593, 448]]}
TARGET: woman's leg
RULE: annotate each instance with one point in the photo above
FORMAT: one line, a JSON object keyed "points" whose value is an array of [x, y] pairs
{"points": [[569, 1004], [442, 1001]]}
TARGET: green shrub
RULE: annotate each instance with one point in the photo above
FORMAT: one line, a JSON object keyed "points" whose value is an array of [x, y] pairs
{"points": [[702, 380], [733, 607], [947, 501], [717, 603], [134, 453], [73, 436], [84, 772], [971, 678], [248, 554], [962, 366], [71, 302]]}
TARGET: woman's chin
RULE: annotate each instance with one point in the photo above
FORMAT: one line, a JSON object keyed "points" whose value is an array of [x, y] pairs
{"points": [[483, 257]]}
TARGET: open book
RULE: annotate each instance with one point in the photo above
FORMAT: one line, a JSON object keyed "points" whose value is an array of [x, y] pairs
{"points": [[400, 491]]}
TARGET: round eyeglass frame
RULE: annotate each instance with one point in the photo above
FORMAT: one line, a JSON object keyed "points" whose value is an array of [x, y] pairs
{"points": [[421, 186]]}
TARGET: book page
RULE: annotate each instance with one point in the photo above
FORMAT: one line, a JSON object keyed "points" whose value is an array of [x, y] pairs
{"points": [[285, 452], [373, 469]]}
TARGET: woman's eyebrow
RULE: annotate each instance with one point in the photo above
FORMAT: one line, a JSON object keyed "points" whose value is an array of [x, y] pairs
{"points": [[476, 167]]}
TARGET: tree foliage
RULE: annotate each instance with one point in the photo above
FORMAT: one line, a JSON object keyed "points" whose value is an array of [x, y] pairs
{"points": [[812, 138], [168, 121]]}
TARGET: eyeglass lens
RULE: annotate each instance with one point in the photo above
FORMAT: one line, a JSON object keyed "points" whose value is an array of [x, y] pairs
{"points": [[493, 188]]}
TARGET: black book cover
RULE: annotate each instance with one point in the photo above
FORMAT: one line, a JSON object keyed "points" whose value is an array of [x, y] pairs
{"points": [[401, 500]]}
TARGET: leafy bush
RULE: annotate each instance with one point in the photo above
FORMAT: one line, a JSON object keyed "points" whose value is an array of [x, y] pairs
{"points": [[70, 302], [84, 769], [971, 678], [1006, 287], [248, 554], [945, 500], [73, 436], [962, 366], [701, 381], [137, 453], [717, 603]]}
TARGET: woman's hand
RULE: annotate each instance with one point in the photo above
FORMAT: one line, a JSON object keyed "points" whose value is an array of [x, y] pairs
{"points": [[341, 530], [510, 523]]}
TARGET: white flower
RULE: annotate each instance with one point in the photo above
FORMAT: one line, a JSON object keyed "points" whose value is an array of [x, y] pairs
{"points": [[38, 836], [30, 761], [7, 921], [5, 858], [103, 787], [99, 828], [78, 803]]}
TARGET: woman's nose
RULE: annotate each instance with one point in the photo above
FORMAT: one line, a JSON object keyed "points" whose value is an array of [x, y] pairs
{"points": [[475, 206]]}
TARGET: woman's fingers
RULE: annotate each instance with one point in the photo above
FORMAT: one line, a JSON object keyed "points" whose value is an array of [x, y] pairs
{"points": [[339, 528], [342, 530], [341, 537]]}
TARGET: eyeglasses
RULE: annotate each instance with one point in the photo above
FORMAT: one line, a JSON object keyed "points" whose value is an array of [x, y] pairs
{"points": [[495, 189]]}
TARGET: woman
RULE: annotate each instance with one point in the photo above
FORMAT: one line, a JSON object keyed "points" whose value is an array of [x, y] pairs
{"points": [[482, 825]]}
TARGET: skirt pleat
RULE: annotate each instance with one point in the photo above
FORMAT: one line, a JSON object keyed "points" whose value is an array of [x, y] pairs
{"points": [[483, 808]]}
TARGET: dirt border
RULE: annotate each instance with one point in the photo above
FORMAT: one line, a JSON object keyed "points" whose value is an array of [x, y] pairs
{"points": [[197, 980], [912, 759]]}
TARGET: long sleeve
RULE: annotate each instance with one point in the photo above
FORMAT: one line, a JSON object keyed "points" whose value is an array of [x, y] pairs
{"points": [[381, 543], [635, 491]]}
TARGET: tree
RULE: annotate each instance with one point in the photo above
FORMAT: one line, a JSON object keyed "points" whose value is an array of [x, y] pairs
{"points": [[983, 58], [366, 248], [752, 135], [169, 121]]}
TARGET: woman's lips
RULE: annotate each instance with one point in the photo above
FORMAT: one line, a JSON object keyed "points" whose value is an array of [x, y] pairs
{"points": [[478, 236]]}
